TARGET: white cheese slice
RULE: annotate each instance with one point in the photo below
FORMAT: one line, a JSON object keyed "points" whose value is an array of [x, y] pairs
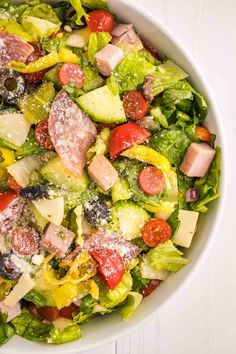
{"points": [[21, 169], [24, 285], [188, 223], [51, 209], [14, 128]]}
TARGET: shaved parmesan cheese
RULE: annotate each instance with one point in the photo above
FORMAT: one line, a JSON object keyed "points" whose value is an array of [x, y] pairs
{"points": [[21, 169], [51, 209], [24, 285], [14, 128]]}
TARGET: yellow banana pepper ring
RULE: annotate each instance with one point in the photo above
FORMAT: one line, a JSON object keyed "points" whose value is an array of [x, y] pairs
{"points": [[7, 157], [64, 56], [148, 155]]}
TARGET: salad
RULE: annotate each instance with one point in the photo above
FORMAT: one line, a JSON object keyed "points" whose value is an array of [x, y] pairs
{"points": [[105, 167]]}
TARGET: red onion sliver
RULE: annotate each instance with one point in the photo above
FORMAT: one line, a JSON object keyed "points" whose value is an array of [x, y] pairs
{"points": [[192, 195]]}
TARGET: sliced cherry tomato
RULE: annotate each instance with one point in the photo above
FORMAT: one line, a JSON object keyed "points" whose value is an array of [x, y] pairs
{"points": [[49, 313], [39, 75], [6, 198], [110, 266], [13, 184], [156, 231], [150, 287], [71, 74], [152, 180], [126, 136], [100, 21], [67, 312], [42, 135], [135, 105], [25, 241], [203, 133]]}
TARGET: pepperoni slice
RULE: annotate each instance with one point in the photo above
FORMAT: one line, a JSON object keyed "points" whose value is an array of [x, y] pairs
{"points": [[156, 231], [151, 180], [135, 105], [71, 74], [68, 311], [13, 184], [100, 21], [42, 135], [13, 47], [25, 241], [49, 313], [38, 76], [150, 287], [203, 133], [72, 132]]}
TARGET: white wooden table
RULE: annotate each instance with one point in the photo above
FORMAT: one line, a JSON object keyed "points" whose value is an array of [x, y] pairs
{"points": [[200, 319]]}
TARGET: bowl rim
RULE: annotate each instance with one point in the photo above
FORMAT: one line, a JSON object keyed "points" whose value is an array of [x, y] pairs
{"points": [[221, 202]]}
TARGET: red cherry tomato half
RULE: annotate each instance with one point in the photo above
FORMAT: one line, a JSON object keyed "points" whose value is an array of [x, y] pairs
{"points": [[126, 136], [150, 287], [49, 313], [135, 105], [13, 184], [100, 21], [110, 266], [156, 231], [6, 198], [71, 74], [42, 135], [25, 241], [68, 311], [37, 77], [151, 180]]}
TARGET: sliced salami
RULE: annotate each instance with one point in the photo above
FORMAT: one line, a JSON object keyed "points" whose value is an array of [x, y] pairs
{"points": [[25, 241], [105, 239], [72, 132], [13, 48], [10, 215]]}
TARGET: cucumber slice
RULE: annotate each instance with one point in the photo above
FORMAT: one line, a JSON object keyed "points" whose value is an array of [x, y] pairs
{"points": [[40, 220], [52, 76], [120, 191], [102, 106], [131, 219], [51, 209], [8, 131], [56, 173]]}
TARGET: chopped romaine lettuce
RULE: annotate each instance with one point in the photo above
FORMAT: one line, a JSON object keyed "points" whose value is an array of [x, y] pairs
{"points": [[29, 327], [184, 183], [130, 73], [43, 11], [36, 298], [166, 256], [101, 147], [6, 330], [95, 4], [80, 12], [68, 334], [11, 26], [132, 302], [97, 41], [139, 282]]}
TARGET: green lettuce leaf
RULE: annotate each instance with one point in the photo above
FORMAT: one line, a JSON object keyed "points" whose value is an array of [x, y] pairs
{"points": [[86, 309], [43, 11], [11, 26], [184, 183], [132, 302], [68, 334], [208, 186], [111, 298], [130, 73], [36, 298], [166, 256], [172, 143], [95, 4], [97, 41], [80, 12], [6, 331], [54, 44], [101, 146], [29, 327], [139, 282]]}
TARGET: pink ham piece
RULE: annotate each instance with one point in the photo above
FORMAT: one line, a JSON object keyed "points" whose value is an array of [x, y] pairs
{"points": [[108, 58], [121, 28], [57, 239], [197, 160], [11, 312], [72, 132], [10, 216], [105, 239], [13, 47], [126, 35], [102, 172]]}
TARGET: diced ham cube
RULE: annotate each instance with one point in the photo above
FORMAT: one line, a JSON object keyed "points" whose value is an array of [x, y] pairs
{"points": [[129, 37], [197, 160], [121, 28], [108, 58], [57, 239], [11, 312], [103, 173]]}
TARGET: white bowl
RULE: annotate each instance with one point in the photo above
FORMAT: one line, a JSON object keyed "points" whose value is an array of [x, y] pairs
{"points": [[105, 329]]}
